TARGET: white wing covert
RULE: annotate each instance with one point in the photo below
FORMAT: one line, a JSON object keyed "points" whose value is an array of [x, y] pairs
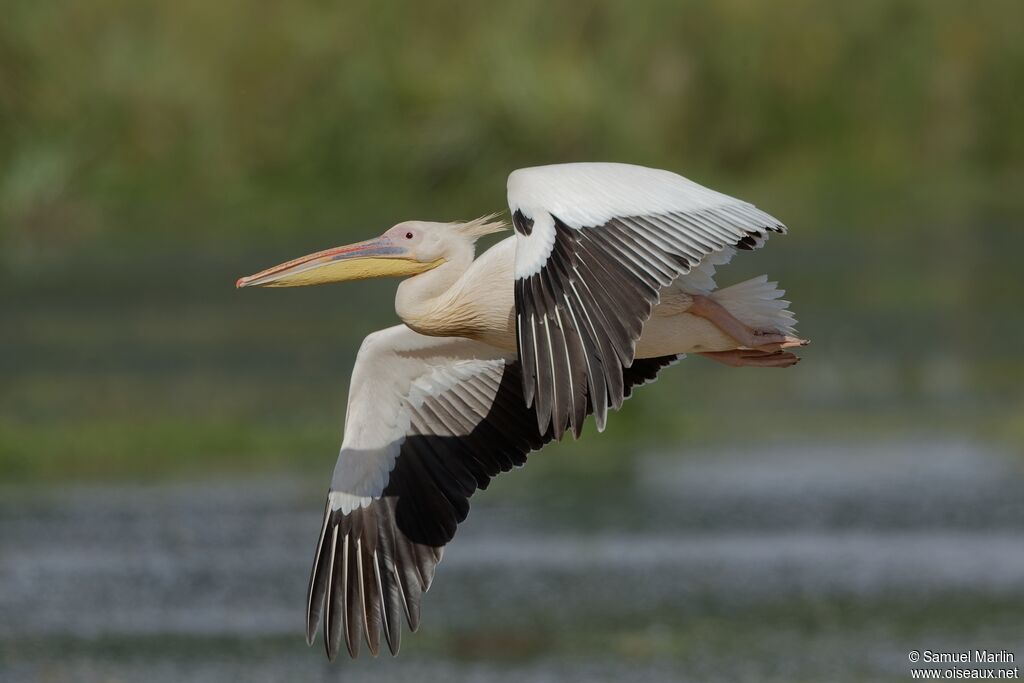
{"points": [[595, 243]]}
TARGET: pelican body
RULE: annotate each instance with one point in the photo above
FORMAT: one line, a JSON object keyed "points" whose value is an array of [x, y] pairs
{"points": [[607, 279]]}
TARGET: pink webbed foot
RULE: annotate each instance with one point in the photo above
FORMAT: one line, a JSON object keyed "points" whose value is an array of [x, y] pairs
{"points": [[745, 336]]}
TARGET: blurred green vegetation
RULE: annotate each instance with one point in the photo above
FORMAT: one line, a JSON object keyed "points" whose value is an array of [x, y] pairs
{"points": [[150, 153]]}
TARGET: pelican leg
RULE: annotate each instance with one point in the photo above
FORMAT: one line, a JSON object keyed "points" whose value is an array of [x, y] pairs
{"points": [[752, 358], [747, 337]]}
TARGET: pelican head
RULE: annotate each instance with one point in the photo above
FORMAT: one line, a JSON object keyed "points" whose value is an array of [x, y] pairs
{"points": [[409, 248]]}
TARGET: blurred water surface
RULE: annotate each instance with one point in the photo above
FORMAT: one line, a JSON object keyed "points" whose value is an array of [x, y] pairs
{"points": [[788, 562]]}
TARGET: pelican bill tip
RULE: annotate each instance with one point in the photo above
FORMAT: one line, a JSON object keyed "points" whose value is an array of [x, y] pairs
{"points": [[246, 281]]}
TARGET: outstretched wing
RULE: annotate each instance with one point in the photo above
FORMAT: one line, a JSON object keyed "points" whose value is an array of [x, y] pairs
{"points": [[430, 420], [595, 244]]}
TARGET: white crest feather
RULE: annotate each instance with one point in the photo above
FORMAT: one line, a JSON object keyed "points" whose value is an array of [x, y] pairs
{"points": [[485, 225]]}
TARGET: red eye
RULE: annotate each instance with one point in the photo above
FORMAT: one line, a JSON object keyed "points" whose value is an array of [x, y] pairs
{"points": [[408, 235]]}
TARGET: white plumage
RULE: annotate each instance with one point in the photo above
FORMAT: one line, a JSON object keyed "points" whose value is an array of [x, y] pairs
{"points": [[588, 194], [596, 242], [609, 279]]}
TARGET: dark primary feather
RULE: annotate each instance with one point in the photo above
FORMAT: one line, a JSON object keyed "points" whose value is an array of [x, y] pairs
{"points": [[579, 317], [373, 565]]}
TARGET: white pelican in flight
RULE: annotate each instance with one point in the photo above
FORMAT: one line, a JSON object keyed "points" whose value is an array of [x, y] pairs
{"points": [[607, 280]]}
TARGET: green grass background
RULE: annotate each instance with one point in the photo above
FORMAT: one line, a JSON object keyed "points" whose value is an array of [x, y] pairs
{"points": [[151, 153]]}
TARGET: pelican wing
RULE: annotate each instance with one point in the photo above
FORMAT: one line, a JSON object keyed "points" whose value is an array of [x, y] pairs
{"points": [[595, 244], [430, 420]]}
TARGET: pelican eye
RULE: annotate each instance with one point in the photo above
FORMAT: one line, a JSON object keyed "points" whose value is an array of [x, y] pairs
{"points": [[408, 235]]}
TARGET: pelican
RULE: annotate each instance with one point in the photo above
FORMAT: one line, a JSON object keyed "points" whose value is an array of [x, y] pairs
{"points": [[607, 279]]}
